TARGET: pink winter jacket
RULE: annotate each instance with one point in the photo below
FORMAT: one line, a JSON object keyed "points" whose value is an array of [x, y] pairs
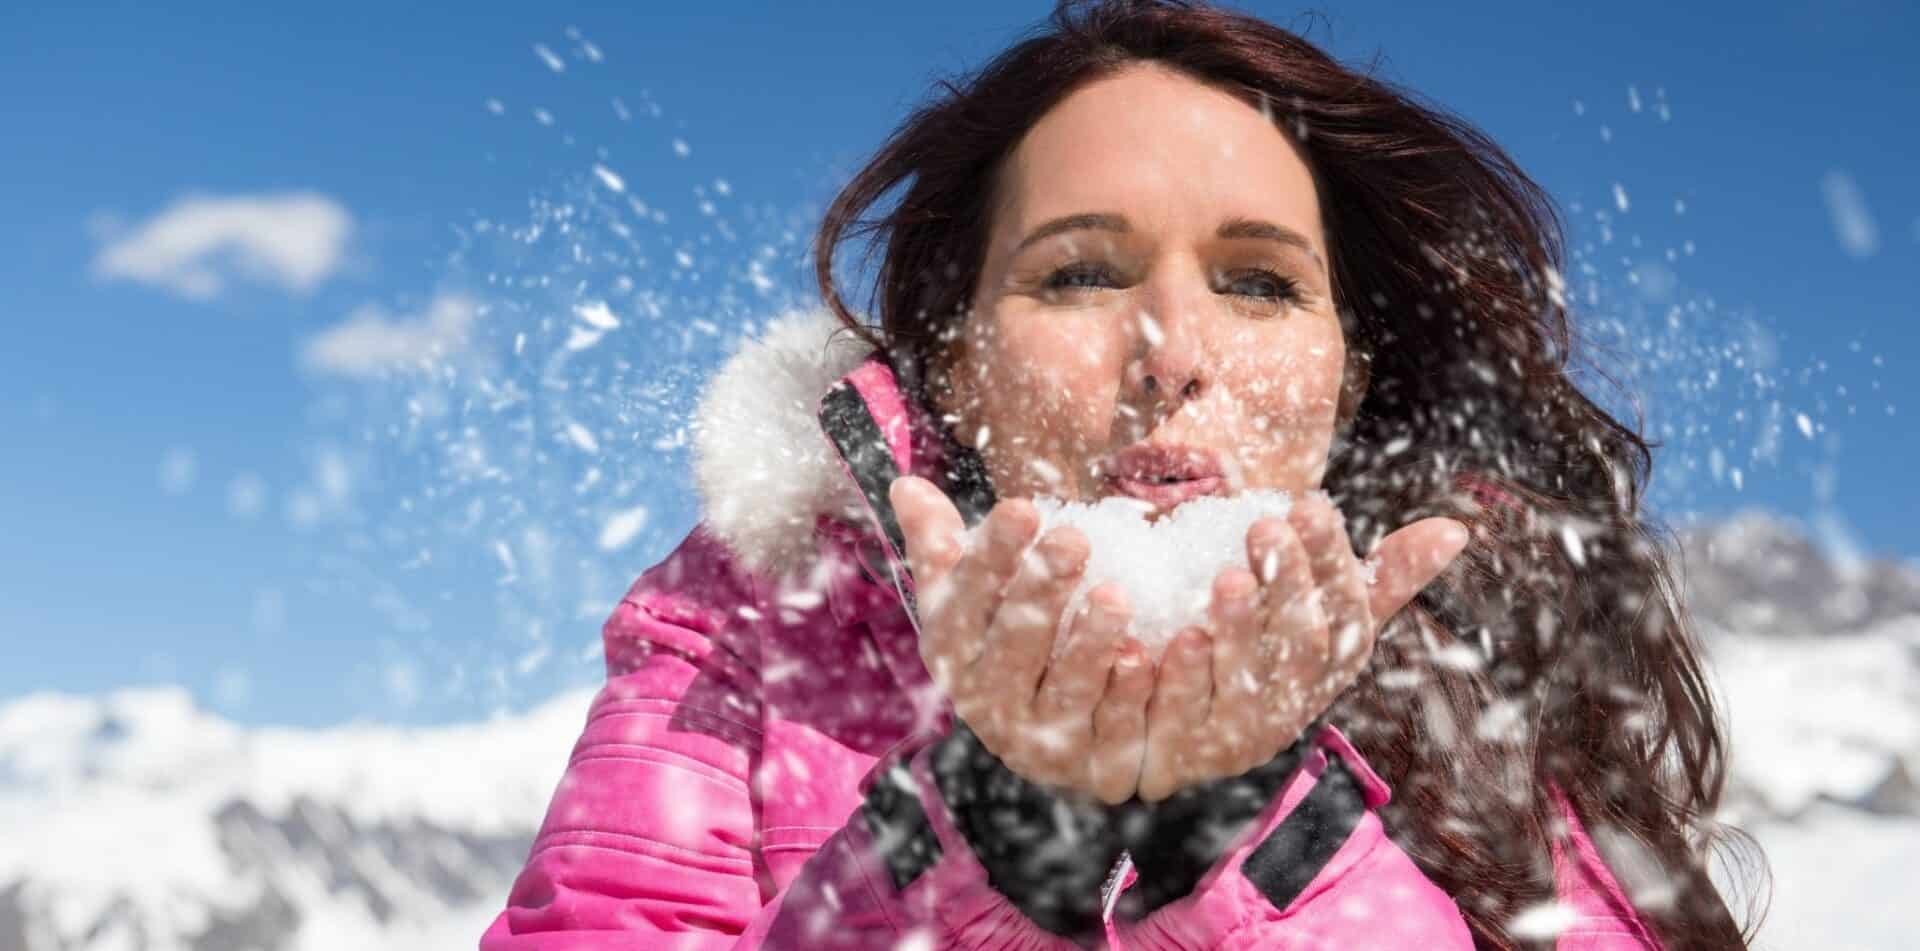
{"points": [[764, 689]]}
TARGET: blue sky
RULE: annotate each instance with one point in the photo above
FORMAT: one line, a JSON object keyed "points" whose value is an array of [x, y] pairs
{"points": [[204, 480]]}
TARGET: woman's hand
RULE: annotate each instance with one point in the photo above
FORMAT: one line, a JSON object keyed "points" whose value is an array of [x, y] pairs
{"points": [[987, 623], [1282, 642]]}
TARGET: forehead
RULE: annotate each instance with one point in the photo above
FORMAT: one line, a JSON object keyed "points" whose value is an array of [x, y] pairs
{"points": [[1162, 149]]}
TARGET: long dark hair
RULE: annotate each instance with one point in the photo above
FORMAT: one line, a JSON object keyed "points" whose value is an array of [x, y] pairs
{"points": [[1553, 657]]}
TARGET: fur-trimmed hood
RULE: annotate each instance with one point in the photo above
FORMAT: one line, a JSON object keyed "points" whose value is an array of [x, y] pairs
{"points": [[762, 466]]}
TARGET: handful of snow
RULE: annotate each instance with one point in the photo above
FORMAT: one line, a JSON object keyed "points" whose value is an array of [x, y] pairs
{"points": [[1166, 566]]}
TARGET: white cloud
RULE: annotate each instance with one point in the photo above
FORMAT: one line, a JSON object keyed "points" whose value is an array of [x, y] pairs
{"points": [[197, 245], [371, 342], [1852, 220]]}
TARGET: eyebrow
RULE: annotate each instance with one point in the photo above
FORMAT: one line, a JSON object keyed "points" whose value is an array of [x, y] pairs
{"points": [[1231, 229], [1096, 221], [1267, 231]]}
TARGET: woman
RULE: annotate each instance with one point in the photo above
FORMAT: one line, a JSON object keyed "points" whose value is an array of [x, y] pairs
{"points": [[1159, 251]]}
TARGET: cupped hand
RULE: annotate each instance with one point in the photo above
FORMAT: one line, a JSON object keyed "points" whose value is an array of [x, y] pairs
{"points": [[988, 614], [1281, 642]]}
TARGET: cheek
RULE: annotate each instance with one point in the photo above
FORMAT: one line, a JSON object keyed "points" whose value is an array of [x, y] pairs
{"points": [[1062, 367], [1289, 383]]}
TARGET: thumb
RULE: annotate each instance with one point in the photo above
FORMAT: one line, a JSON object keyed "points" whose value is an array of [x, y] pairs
{"points": [[1408, 560], [930, 525]]}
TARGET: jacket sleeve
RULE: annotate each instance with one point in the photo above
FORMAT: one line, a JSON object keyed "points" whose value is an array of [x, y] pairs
{"points": [[1600, 916], [899, 874], [649, 841]]}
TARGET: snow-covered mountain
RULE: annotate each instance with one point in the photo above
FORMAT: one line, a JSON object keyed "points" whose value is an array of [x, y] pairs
{"points": [[138, 822], [1818, 661], [1758, 574]]}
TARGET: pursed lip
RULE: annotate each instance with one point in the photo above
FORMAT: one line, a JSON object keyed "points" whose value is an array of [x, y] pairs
{"points": [[1166, 495], [1165, 474]]}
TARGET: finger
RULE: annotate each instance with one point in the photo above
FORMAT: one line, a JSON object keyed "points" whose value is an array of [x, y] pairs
{"points": [[1073, 682], [931, 527], [980, 578], [1020, 637], [1341, 580], [1263, 556], [979, 585], [1232, 710], [935, 541], [1294, 645], [1289, 605], [1409, 559], [1235, 629], [1120, 726], [1174, 712]]}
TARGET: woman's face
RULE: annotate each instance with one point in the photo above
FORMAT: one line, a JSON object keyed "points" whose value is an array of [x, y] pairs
{"points": [[1154, 316]]}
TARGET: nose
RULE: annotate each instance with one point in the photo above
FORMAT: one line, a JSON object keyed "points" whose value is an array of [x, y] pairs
{"points": [[1151, 385], [1168, 368]]}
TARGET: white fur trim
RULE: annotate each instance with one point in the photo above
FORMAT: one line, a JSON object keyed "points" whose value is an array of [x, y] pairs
{"points": [[763, 468]]}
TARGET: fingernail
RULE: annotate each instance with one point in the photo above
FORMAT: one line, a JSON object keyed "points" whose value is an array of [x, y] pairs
{"points": [[1009, 528], [1240, 586], [1059, 556]]}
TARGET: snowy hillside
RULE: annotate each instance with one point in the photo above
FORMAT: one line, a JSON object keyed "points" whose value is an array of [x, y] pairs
{"points": [[137, 822], [1826, 745], [1816, 659]]}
